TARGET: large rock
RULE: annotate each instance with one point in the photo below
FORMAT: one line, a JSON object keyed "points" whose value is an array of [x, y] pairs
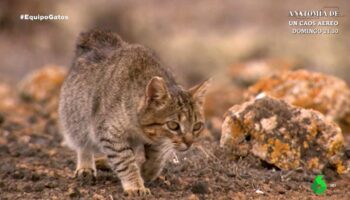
{"points": [[326, 94], [41, 89], [43, 84], [283, 135], [31, 108]]}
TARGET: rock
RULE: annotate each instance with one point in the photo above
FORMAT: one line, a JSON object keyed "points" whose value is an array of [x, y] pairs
{"points": [[32, 119], [42, 84], [51, 184], [74, 193], [27, 151], [4, 149], [27, 188], [193, 197], [283, 135], [200, 188], [240, 195], [18, 174], [35, 177], [98, 197], [38, 187], [7, 168], [42, 87], [326, 94], [279, 188]]}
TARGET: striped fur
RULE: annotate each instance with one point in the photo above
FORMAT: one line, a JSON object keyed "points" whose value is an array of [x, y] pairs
{"points": [[118, 97]]}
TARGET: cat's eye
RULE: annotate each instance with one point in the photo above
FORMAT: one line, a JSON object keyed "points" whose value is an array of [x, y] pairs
{"points": [[172, 125], [197, 126]]}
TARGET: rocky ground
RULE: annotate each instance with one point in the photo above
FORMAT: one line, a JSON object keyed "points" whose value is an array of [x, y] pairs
{"points": [[35, 165]]}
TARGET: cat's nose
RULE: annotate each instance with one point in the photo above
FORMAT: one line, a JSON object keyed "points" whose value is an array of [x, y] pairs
{"points": [[188, 144], [188, 141]]}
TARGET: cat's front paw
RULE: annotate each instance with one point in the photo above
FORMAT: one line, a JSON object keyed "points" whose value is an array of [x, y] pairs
{"points": [[85, 174], [137, 192]]}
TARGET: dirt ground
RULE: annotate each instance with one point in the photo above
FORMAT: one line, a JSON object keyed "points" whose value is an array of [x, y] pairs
{"points": [[35, 165]]}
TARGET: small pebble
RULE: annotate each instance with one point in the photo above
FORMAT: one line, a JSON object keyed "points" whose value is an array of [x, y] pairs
{"points": [[18, 175], [51, 184], [200, 188], [74, 193], [27, 188], [281, 190], [7, 168], [193, 197], [259, 191], [39, 187], [32, 119], [4, 150], [35, 177]]}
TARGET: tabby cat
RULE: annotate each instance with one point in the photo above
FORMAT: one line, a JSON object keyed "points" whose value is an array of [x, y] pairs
{"points": [[118, 97]]}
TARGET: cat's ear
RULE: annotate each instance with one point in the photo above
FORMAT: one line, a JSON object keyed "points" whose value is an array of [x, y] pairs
{"points": [[157, 91], [198, 92]]}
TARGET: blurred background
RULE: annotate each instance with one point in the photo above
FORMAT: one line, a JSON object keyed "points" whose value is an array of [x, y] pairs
{"points": [[198, 38]]}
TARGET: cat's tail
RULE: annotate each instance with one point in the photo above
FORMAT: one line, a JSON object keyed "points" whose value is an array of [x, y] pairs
{"points": [[97, 40]]}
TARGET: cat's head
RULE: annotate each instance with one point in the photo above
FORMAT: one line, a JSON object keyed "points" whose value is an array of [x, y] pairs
{"points": [[173, 114]]}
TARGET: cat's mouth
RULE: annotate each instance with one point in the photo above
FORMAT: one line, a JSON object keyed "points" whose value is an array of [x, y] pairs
{"points": [[182, 147]]}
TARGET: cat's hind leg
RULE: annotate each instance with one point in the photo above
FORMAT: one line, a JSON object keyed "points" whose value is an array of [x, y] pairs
{"points": [[77, 137], [86, 169]]}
